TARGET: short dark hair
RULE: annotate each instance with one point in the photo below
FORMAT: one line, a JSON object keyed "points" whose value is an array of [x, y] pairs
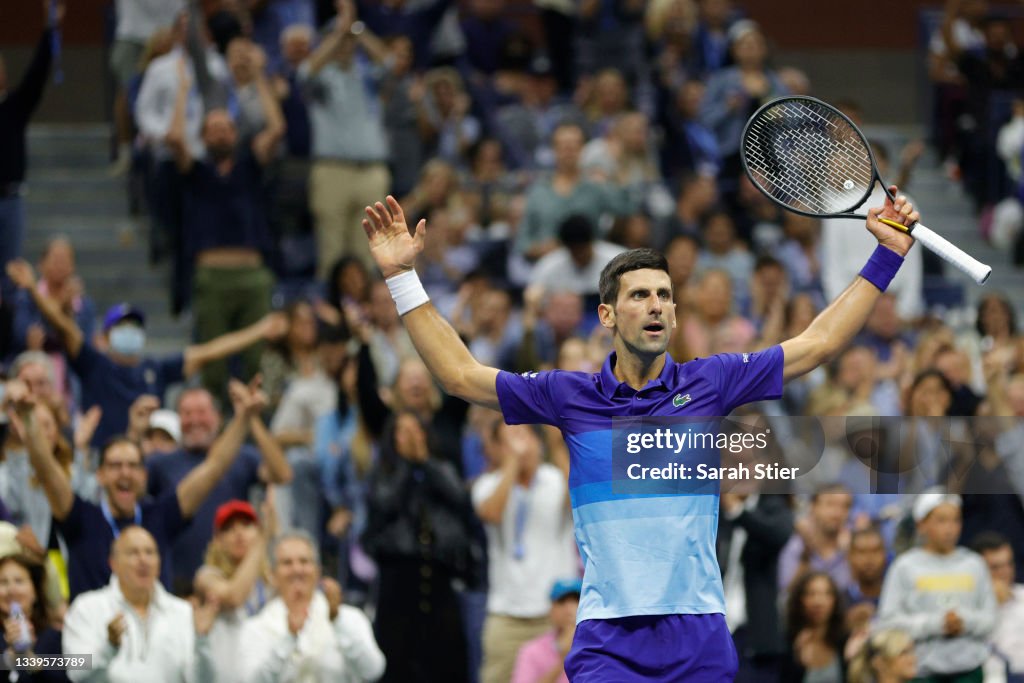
{"points": [[766, 261], [576, 229], [117, 440], [830, 487], [871, 530], [987, 541], [626, 262]]}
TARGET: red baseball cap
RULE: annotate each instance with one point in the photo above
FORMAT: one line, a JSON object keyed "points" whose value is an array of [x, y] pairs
{"points": [[233, 508]]}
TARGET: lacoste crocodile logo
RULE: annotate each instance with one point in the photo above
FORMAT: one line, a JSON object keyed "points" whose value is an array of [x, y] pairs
{"points": [[679, 401]]}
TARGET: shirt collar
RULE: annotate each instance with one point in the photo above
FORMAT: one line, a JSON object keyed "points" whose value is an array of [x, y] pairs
{"points": [[157, 601], [610, 383]]}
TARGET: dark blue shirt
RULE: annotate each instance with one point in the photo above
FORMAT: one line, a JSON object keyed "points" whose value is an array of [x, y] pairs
{"points": [[115, 387], [89, 537], [225, 210], [298, 134], [166, 470]]}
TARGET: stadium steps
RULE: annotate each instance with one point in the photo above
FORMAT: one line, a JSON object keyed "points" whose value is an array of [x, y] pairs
{"points": [[71, 193]]}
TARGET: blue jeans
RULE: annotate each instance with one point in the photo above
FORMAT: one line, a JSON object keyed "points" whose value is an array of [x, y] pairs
{"points": [[12, 233]]}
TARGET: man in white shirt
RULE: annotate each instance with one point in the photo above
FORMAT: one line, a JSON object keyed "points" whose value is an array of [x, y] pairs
{"points": [[524, 506], [1007, 640], [137, 21], [576, 265], [154, 107], [134, 629], [305, 635]]}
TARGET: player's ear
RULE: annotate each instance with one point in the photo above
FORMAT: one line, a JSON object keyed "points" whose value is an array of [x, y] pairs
{"points": [[606, 315]]}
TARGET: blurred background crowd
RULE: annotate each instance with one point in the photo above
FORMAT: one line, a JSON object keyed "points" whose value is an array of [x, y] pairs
{"points": [[291, 469]]}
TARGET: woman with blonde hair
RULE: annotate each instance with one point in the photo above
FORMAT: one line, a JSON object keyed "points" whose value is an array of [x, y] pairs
{"points": [[235, 577], [885, 657]]}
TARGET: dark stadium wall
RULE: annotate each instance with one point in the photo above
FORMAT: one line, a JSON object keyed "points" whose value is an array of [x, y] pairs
{"points": [[83, 96]]}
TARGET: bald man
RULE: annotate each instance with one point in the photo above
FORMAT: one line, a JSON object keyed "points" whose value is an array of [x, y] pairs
{"points": [[135, 630]]}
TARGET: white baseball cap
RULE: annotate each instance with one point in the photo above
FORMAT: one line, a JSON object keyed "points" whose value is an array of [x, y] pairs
{"points": [[926, 502], [168, 421]]}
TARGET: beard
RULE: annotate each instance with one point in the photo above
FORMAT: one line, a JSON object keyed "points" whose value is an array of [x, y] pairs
{"points": [[199, 440]]}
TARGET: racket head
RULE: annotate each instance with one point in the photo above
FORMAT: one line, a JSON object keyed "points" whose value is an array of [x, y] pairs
{"points": [[809, 158]]}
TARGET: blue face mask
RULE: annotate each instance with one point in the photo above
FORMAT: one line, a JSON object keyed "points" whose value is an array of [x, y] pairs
{"points": [[127, 340]]}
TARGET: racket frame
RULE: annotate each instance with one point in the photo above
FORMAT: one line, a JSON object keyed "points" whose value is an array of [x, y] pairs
{"points": [[978, 271], [847, 213]]}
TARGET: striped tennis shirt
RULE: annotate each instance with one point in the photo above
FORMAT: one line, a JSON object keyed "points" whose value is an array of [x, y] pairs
{"points": [[643, 554]]}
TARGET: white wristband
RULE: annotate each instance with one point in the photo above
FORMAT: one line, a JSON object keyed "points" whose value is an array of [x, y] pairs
{"points": [[407, 291]]}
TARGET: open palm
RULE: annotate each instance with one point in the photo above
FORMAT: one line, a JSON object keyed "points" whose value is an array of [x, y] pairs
{"points": [[392, 246]]}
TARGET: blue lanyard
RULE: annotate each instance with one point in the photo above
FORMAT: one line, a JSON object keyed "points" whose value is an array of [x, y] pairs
{"points": [[261, 599], [109, 516], [522, 495]]}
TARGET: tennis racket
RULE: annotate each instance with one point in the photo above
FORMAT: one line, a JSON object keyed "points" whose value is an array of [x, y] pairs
{"points": [[808, 157]]}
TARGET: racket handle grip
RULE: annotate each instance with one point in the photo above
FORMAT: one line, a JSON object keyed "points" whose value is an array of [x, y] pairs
{"points": [[977, 270]]}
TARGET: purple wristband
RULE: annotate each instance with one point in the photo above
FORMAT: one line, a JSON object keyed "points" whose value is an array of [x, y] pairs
{"points": [[881, 268]]}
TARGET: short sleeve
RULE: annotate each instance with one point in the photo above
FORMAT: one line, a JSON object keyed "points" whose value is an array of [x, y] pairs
{"points": [[529, 398], [748, 377]]}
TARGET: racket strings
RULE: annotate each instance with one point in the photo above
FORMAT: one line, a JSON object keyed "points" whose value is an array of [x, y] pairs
{"points": [[808, 159]]}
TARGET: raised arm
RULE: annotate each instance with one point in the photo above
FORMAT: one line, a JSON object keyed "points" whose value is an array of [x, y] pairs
{"points": [[55, 483], [264, 145], [26, 96], [22, 275], [836, 326], [176, 139], [232, 592], [278, 471], [194, 488], [437, 342], [271, 326], [328, 47]]}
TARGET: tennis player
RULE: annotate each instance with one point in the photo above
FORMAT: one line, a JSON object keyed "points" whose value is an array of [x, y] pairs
{"points": [[652, 607]]}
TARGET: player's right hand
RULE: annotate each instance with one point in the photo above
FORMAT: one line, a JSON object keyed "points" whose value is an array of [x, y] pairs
{"points": [[392, 246]]}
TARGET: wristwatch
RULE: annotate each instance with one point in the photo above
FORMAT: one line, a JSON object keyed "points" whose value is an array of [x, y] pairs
{"points": [[357, 28]]}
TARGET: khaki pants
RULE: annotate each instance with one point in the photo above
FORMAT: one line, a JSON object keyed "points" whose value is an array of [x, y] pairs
{"points": [[503, 636], [338, 193]]}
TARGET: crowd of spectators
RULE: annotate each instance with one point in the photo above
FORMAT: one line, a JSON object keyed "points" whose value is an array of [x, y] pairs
{"points": [[236, 510]]}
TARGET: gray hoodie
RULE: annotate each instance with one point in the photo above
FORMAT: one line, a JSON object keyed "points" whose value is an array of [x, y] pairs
{"points": [[921, 587]]}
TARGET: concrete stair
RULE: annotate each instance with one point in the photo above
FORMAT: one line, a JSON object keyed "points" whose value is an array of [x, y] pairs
{"points": [[71, 193]]}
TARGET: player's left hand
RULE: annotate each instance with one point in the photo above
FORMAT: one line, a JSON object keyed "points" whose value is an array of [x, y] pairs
{"points": [[900, 211]]}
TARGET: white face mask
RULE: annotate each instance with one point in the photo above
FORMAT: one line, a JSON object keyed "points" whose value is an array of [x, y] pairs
{"points": [[127, 340]]}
